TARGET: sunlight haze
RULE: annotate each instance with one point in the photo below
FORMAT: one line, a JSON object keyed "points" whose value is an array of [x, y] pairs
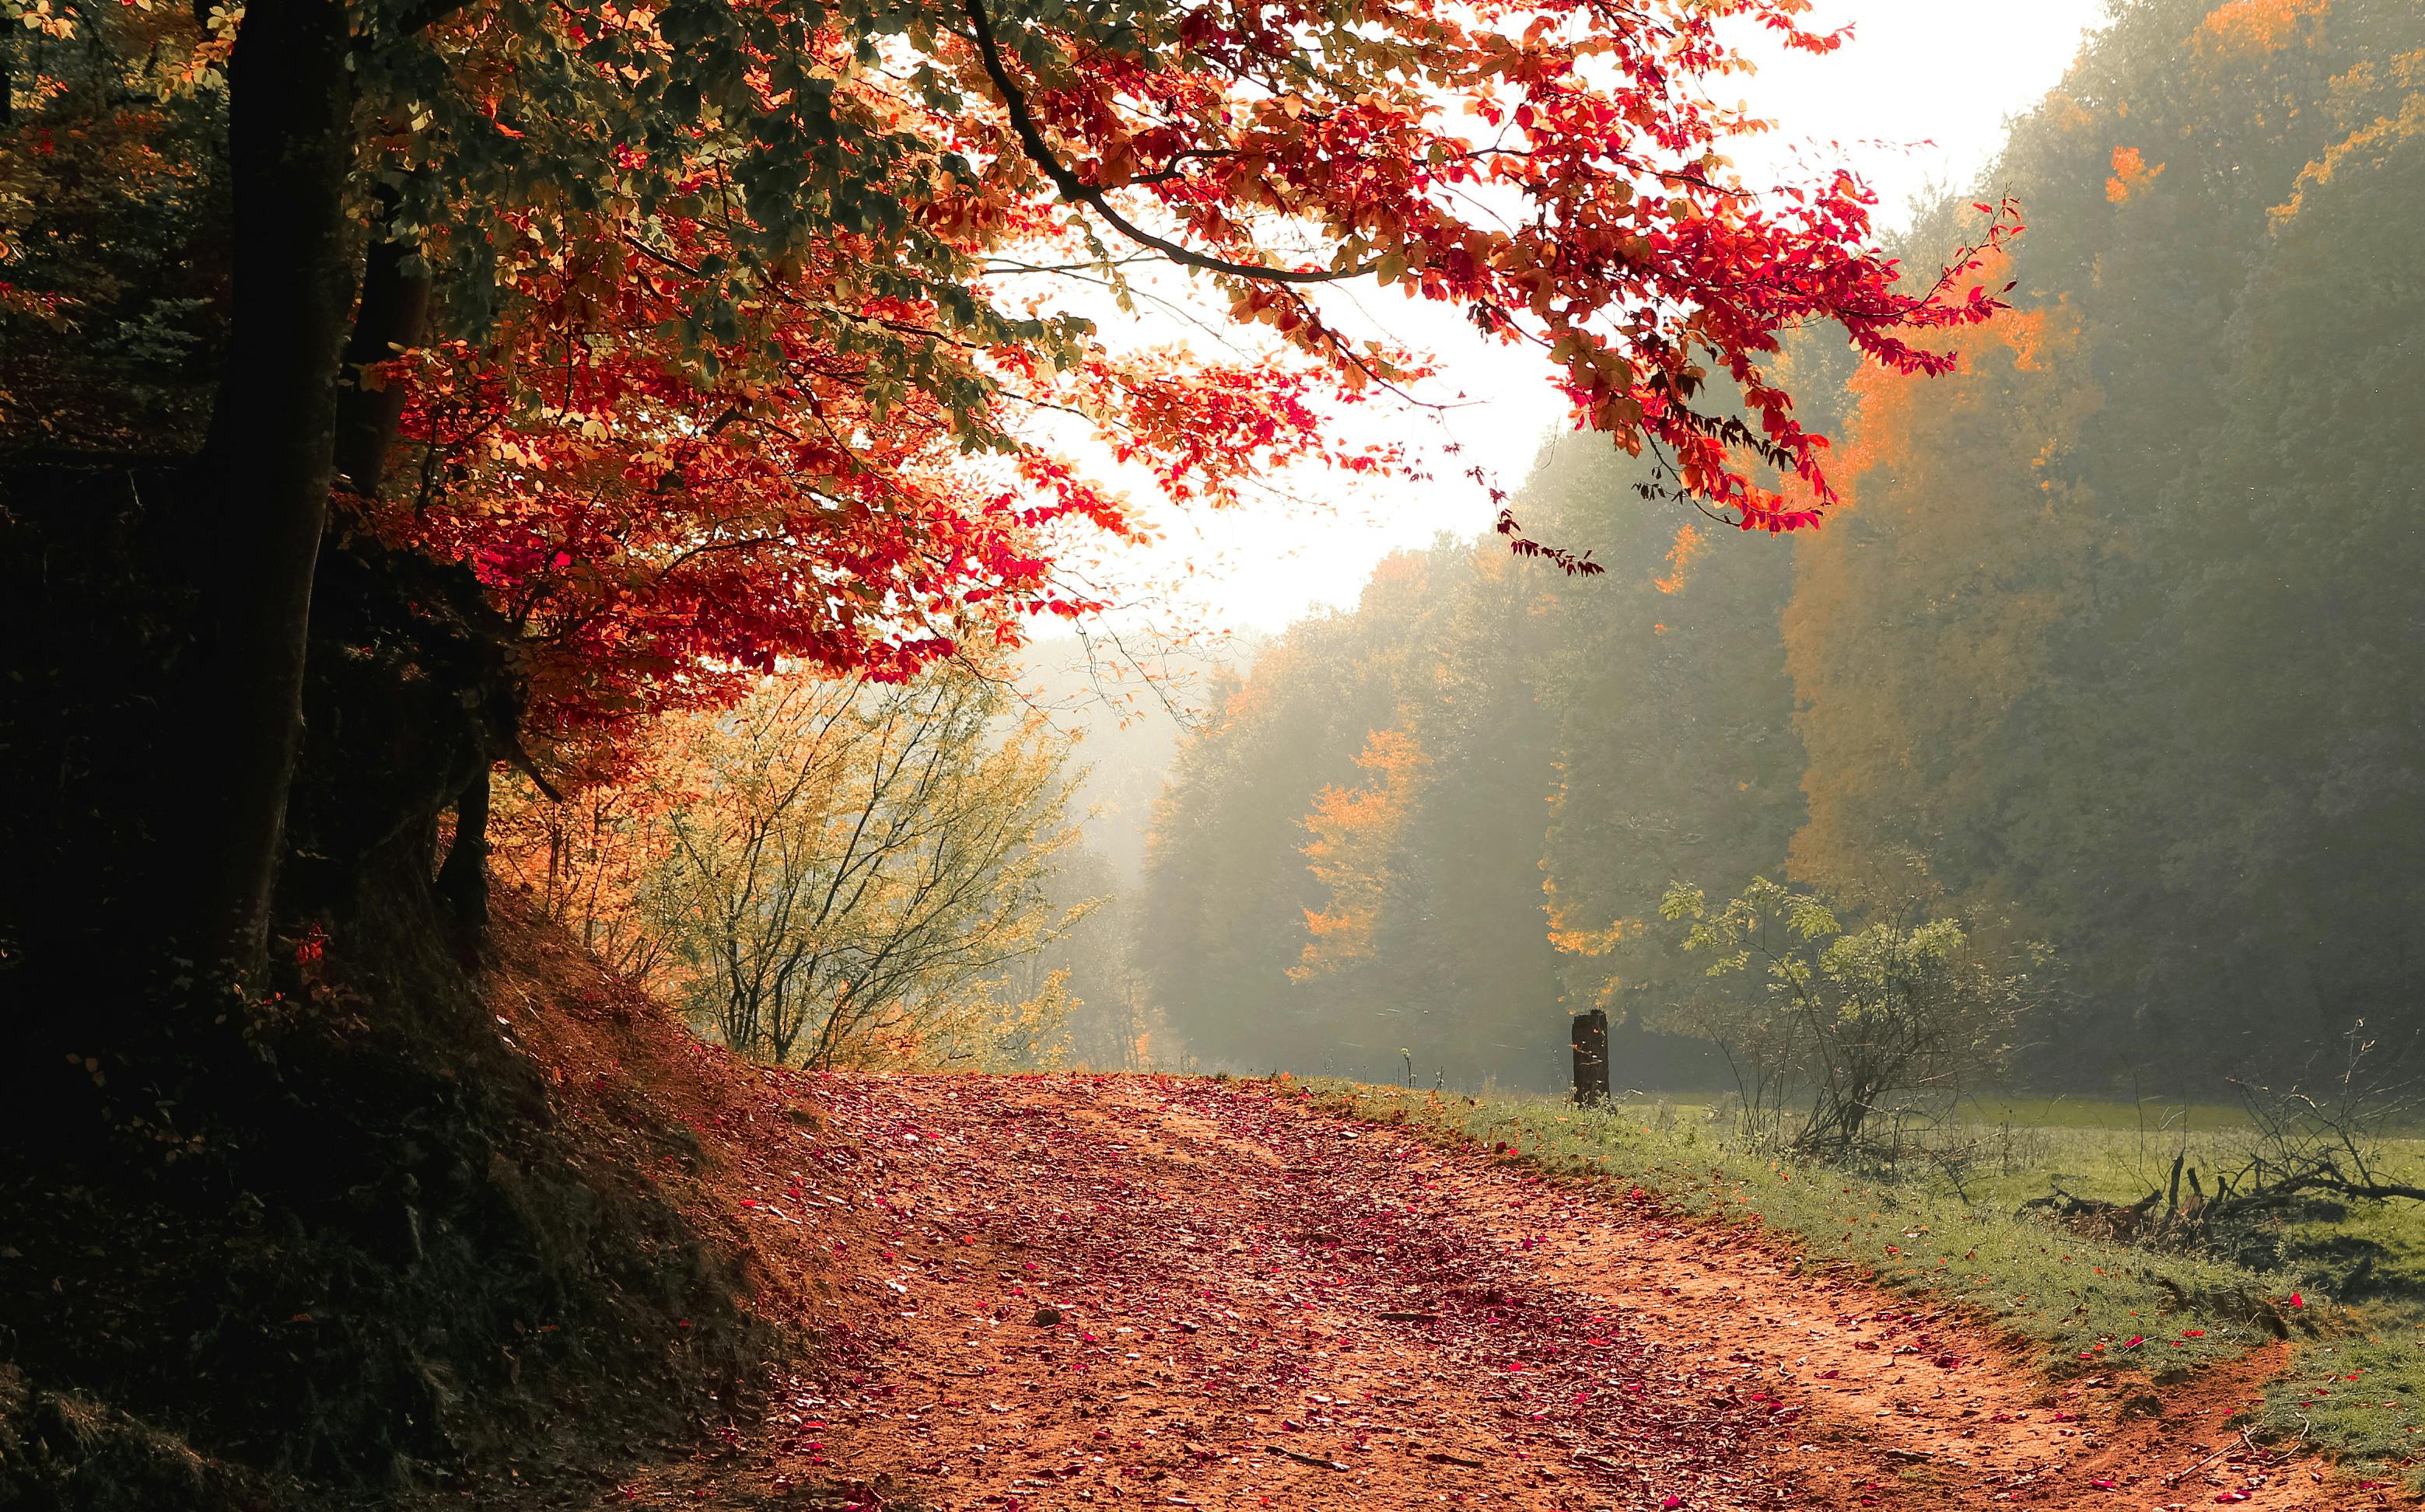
{"points": [[1887, 104], [776, 754]]}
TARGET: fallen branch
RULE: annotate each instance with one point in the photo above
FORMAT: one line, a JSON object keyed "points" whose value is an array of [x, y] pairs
{"points": [[2094, 1215], [2179, 1475], [1304, 1459], [2329, 1180]]}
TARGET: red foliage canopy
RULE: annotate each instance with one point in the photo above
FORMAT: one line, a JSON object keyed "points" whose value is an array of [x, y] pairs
{"points": [[755, 380]]}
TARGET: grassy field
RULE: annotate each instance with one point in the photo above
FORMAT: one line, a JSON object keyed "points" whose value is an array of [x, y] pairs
{"points": [[2357, 1385]]}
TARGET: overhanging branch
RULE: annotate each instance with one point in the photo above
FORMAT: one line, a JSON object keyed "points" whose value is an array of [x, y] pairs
{"points": [[1077, 191]]}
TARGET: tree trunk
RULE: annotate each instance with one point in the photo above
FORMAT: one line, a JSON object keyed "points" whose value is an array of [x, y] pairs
{"points": [[267, 465], [463, 882], [390, 321], [1591, 1058]]}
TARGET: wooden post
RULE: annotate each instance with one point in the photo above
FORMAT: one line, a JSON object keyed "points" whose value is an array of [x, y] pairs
{"points": [[1591, 1057]]}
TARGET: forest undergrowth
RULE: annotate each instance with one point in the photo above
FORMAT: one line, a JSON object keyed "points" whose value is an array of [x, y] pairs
{"points": [[2077, 1303], [480, 1250]]}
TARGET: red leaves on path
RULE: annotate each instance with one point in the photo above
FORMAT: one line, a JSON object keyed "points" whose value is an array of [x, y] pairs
{"points": [[1067, 1291]]}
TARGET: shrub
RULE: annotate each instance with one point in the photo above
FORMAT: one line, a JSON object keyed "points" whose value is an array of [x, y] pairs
{"points": [[1842, 1030]]}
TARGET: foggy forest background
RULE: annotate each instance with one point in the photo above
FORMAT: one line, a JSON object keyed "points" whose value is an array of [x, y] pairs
{"points": [[2117, 657], [2120, 648]]}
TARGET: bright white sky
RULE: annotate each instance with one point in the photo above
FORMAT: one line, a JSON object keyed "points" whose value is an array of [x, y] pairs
{"points": [[1918, 99]]}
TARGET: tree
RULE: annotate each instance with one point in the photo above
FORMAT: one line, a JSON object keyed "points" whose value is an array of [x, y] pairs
{"points": [[849, 864], [1674, 752], [691, 318], [1921, 650], [1345, 866], [1226, 884], [2117, 629], [2110, 640], [1357, 835], [1494, 770], [1848, 1029], [593, 863], [1091, 959]]}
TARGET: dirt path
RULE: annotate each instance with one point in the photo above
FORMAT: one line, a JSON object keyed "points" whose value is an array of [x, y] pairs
{"points": [[1067, 1291]]}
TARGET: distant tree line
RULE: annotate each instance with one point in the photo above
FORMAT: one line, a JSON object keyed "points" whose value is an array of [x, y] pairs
{"points": [[2117, 645]]}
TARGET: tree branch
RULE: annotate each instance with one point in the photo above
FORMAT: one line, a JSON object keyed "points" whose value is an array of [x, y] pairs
{"points": [[1076, 191]]}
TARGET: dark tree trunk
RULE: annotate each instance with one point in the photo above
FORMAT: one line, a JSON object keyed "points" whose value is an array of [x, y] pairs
{"points": [[1591, 1058], [290, 149], [391, 321], [463, 880]]}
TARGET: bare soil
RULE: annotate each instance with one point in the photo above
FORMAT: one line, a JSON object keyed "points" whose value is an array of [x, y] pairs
{"points": [[1054, 1292]]}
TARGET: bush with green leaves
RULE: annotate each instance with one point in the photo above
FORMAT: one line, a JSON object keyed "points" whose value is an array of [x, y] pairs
{"points": [[1833, 1033]]}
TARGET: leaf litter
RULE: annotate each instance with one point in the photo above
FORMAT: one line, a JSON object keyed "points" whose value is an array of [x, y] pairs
{"points": [[1068, 1290]]}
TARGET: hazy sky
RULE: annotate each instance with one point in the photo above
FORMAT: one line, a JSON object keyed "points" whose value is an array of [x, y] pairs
{"points": [[1918, 98]]}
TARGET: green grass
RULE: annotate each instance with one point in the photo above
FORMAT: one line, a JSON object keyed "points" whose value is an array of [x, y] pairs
{"points": [[2154, 1116], [2076, 1303]]}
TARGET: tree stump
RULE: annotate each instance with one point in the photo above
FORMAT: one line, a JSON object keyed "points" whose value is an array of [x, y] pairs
{"points": [[1591, 1058]]}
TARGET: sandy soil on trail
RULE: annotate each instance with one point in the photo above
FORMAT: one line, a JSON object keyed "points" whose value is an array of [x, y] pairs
{"points": [[1064, 1291]]}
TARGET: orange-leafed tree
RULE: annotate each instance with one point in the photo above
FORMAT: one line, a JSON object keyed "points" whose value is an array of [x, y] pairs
{"points": [[1355, 833], [1945, 486]]}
